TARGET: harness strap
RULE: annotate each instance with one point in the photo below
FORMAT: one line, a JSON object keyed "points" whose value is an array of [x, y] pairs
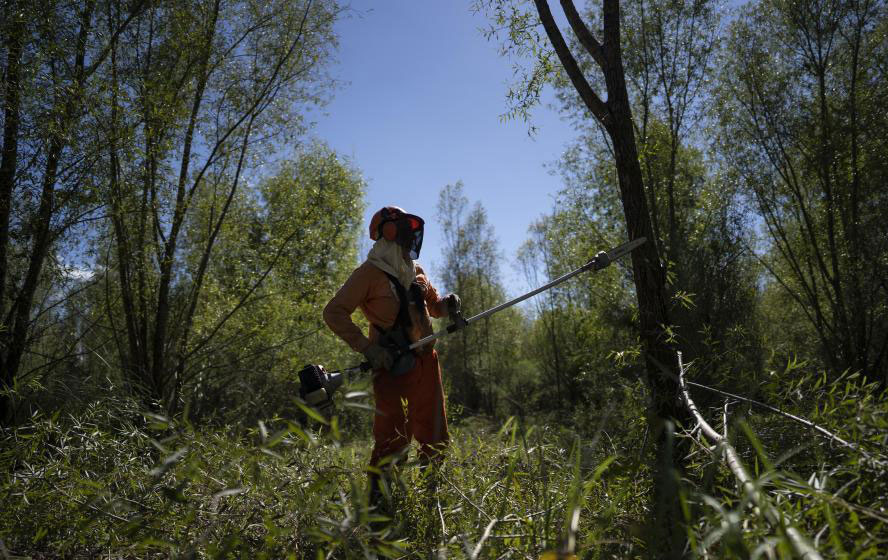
{"points": [[415, 293], [403, 320]]}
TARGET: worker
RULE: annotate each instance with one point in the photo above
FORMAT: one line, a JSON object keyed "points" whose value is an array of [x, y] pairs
{"points": [[397, 298]]}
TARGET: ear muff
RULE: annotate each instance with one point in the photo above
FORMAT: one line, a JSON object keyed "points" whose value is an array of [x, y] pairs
{"points": [[388, 230], [393, 224]]}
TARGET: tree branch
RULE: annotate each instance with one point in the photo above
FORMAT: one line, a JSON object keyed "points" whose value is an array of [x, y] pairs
{"points": [[799, 541], [583, 34], [588, 95]]}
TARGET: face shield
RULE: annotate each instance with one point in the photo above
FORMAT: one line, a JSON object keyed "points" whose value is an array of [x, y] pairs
{"points": [[410, 234]]}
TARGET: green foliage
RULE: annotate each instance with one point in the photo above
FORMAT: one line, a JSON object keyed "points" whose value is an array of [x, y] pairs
{"points": [[515, 25], [577, 325], [834, 493], [282, 253], [171, 133], [142, 126], [713, 278], [483, 364], [800, 105], [112, 481]]}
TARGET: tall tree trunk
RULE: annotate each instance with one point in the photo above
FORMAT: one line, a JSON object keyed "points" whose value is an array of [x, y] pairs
{"points": [[125, 249], [188, 320], [667, 535], [9, 155], [161, 320], [15, 38], [41, 224]]}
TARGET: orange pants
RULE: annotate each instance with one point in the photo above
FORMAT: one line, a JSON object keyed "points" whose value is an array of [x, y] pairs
{"points": [[411, 405]]}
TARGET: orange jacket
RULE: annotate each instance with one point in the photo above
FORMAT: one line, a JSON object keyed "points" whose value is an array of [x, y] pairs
{"points": [[369, 288]]}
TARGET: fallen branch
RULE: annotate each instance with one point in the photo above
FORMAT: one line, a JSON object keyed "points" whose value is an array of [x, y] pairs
{"points": [[833, 437], [480, 544], [800, 543], [466, 498]]}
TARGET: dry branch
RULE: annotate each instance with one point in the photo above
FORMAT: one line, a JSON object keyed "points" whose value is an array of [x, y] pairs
{"points": [[874, 458], [800, 543]]}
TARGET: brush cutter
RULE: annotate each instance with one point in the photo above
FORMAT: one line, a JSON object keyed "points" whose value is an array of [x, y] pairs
{"points": [[318, 385]]}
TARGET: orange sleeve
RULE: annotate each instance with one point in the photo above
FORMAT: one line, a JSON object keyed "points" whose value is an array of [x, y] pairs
{"points": [[337, 313], [437, 307]]}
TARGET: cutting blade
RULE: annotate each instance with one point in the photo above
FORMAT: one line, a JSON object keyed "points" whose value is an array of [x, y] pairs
{"points": [[625, 248]]}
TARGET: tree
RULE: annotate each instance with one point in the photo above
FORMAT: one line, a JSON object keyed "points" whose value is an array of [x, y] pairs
{"points": [[578, 325], [482, 359], [669, 49], [284, 249], [54, 53], [129, 115], [614, 115], [801, 108], [695, 213], [199, 94], [712, 284]]}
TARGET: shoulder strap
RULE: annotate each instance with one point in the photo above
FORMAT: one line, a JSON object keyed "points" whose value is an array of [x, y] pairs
{"points": [[403, 319]]}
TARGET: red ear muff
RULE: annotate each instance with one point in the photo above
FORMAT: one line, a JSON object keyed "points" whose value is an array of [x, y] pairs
{"points": [[389, 230]]}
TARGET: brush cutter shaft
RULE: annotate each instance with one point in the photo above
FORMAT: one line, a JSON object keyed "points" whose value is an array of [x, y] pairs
{"points": [[318, 385], [500, 307], [600, 261]]}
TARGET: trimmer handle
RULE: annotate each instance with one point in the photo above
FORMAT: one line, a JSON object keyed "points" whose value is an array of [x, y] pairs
{"points": [[363, 366], [458, 322]]}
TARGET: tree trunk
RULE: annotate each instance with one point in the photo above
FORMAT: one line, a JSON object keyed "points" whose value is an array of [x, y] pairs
{"points": [[8, 162], [19, 322], [666, 539], [9, 154], [161, 320]]}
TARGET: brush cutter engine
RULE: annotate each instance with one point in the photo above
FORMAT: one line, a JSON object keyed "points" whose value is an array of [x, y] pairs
{"points": [[318, 385]]}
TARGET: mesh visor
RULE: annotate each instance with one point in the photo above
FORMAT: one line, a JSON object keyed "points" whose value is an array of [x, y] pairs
{"points": [[412, 234]]}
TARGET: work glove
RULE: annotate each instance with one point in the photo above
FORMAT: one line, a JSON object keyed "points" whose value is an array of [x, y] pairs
{"points": [[454, 305], [379, 357], [454, 310]]}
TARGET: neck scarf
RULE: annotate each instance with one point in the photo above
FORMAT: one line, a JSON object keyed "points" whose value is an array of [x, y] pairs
{"points": [[387, 256]]}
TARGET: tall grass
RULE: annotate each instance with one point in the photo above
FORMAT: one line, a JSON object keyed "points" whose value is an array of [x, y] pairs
{"points": [[837, 495], [115, 482]]}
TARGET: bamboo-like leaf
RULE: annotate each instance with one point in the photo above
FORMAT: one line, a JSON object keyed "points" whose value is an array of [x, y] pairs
{"points": [[311, 412]]}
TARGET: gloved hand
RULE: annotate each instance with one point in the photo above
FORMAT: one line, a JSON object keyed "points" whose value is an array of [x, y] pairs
{"points": [[379, 357], [454, 305], [454, 310]]}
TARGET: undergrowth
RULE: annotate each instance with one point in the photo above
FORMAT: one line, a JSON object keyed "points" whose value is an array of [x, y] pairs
{"points": [[835, 494], [115, 482]]}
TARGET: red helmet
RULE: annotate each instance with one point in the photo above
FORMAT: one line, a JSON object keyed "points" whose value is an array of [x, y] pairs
{"points": [[394, 224]]}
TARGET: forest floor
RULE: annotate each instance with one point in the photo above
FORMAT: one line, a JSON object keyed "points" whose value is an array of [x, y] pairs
{"points": [[83, 490], [114, 482]]}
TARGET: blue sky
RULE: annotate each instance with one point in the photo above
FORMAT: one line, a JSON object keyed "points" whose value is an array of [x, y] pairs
{"points": [[420, 108]]}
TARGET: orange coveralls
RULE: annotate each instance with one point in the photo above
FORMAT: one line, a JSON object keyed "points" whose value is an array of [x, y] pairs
{"points": [[409, 405]]}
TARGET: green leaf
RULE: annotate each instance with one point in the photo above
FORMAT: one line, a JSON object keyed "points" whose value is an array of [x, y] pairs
{"points": [[311, 412]]}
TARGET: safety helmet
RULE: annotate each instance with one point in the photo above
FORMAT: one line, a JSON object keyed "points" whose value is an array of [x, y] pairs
{"points": [[394, 224]]}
